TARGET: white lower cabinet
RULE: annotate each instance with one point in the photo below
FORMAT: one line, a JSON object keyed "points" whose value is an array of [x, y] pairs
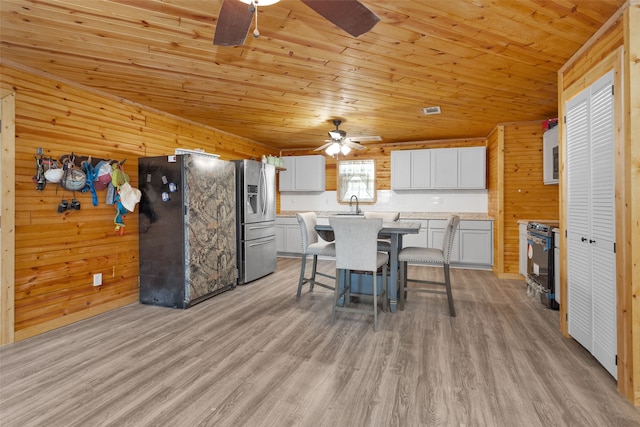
{"points": [[421, 239], [288, 238], [523, 248], [472, 245]]}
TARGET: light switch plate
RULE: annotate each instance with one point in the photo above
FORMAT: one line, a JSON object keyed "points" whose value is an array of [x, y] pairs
{"points": [[97, 279]]}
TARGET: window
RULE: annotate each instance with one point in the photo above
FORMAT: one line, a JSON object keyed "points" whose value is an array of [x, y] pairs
{"points": [[357, 177]]}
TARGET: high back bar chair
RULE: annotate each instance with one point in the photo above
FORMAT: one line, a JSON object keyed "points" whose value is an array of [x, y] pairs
{"points": [[312, 246], [356, 249], [429, 256]]}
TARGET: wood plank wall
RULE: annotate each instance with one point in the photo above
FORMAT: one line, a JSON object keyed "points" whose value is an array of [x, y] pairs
{"points": [[57, 254], [495, 195], [523, 194], [631, 282]]}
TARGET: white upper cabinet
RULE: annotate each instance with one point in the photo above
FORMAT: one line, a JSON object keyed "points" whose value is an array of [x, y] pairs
{"points": [[440, 168], [410, 169], [472, 167], [444, 168], [550, 156], [303, 173]]}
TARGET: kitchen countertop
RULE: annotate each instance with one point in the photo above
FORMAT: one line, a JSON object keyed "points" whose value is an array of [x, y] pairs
{"points": [[480, 216]]}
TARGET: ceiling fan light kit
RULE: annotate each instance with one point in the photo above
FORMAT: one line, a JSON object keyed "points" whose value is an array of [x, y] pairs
{"points": [[340, 144]]}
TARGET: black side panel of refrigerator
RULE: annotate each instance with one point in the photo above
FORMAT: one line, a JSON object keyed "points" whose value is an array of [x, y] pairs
{"points": [[161, 223]]}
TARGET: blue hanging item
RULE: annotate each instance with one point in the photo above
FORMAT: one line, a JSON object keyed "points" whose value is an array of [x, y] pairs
{"points": [[93, 173], [90, 178], [121, 211]]}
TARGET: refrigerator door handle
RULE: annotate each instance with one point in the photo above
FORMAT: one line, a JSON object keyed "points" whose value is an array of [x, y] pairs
{"points": [[265, 242], [263, 191], [260, 227]]}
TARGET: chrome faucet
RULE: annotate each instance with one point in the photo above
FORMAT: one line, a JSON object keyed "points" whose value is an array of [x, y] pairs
{"points": [[357, 205]]}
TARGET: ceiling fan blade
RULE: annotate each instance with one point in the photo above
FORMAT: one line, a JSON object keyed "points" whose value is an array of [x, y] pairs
{"points": [[233, 24], [350, 15], [354, 145], [322, 147], [361, 138]]}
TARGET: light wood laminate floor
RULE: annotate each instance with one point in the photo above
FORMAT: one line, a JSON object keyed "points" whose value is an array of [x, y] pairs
{"points": [[255, 356]]}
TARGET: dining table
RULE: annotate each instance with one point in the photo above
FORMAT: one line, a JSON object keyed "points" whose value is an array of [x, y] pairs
{"points": [[394, 231]]}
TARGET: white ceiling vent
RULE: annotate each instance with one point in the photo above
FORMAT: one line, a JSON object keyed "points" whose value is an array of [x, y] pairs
{"points": [[430, 110]]}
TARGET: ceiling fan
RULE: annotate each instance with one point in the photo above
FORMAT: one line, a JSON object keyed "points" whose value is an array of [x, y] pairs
{"points": [[235, 18], [339, 143]]}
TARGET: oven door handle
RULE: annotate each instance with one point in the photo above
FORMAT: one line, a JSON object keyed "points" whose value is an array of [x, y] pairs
{"points": [[537, 240]]}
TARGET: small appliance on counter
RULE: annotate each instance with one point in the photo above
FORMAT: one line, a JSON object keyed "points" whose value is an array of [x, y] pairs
{"points": [[256, 219], [540, 263]]}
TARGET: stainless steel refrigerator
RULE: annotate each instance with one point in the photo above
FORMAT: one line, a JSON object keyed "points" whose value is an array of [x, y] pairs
{"points": [[256, 219], [187, 223]]}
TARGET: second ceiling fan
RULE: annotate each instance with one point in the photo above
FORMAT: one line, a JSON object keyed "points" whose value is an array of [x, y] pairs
{"points": [[235, 18]]}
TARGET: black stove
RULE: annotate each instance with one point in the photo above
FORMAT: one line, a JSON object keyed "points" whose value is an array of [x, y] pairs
{"points": [[540, 260]]}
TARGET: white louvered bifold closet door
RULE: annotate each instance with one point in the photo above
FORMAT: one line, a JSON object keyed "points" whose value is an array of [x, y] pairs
{"points": [[603, 216], [591, 221], [578, 252]]}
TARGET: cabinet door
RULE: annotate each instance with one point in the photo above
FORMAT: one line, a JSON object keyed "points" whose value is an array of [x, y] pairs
{"points": [[401, 170], [475, 247], [472, 167], [420, 169], [420, 240], [286, 177], [436, 238], [549, 161], [293, 238], [444, 168], [310, 173], [523, 249], [281, 238]]}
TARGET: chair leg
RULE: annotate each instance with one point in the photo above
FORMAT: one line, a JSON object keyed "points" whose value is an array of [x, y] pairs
{"points": [[336, 298], [402, 283], [375, 301], [301, 281], [313, 272], [385, 289], [447, 284], [347, 288]]}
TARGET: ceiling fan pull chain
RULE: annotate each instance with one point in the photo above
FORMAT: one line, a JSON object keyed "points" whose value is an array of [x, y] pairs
{"points": [[256, 33]]}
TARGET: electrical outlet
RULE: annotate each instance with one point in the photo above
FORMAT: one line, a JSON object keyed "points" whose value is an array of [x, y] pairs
{"points": [[97, 279]]}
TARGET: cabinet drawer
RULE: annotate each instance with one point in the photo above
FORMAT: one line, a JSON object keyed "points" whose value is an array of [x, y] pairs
{"points": [[464, 224]]}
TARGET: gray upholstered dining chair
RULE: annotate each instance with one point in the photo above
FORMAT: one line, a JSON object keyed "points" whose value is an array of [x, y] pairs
{"points": [[356, 249], [311, 245], [384, 245], [429, 256]]}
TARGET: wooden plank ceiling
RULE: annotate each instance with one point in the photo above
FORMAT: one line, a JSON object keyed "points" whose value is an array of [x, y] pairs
{"points": [[482, 61]]}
